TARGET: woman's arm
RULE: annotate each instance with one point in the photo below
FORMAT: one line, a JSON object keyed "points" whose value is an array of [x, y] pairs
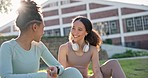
{"points": [[49, 59], [6, 67], [62, 55], [96, 64]]}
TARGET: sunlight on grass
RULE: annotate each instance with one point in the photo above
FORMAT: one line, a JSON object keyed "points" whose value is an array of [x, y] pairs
{"points": [[42, 71], [136, 68], [133, 68]]}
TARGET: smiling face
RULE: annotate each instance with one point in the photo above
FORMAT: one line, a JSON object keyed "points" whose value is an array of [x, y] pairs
{"points": [[78, 31]]}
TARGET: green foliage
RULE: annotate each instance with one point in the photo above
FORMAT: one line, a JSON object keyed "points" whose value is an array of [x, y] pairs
{"points": [[108, 41], [5, 6], [5, 38], [130, 53]]}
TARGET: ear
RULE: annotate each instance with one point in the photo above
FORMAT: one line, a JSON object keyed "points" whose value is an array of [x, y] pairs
{"points": [[34, 27]]}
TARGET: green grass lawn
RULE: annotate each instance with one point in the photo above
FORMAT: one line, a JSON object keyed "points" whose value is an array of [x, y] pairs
{"points": [[133, 68]]}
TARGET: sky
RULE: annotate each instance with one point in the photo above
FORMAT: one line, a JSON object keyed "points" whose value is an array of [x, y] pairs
{"points": [[4, 18]]}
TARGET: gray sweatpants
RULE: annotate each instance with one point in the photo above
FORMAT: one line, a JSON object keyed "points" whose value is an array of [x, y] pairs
{"points": [[70, 72]]}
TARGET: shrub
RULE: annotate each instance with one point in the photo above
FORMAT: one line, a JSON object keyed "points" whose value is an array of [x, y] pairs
{"points": [[130, 53]]}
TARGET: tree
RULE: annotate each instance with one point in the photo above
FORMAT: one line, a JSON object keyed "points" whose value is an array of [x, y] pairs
{"points": [[5, 6]]}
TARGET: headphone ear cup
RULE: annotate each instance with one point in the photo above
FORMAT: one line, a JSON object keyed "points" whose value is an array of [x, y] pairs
{"points": [[86, 48], [75, 46]]}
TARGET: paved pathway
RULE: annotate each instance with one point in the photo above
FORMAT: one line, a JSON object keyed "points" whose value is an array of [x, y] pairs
{"points": [[141, 57]]}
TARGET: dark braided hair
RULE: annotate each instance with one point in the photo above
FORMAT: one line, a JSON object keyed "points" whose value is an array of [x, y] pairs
{"points": [[92, 37], [28, 13]]}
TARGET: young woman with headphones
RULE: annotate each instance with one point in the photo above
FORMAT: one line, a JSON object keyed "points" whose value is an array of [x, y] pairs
{"points": [[83, 48]]}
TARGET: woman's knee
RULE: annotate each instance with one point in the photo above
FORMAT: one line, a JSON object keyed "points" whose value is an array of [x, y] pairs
{"points": [[71, 69], [71, 72], [113, 61]]}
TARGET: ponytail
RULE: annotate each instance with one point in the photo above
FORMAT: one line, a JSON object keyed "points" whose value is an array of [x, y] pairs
{"points": [[94, 38]]}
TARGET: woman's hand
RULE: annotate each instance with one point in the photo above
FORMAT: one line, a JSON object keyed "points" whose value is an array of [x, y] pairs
{"points": [[52, 72], [48, 75]]}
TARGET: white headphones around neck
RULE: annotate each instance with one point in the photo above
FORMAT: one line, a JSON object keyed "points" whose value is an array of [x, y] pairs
{"points": [[75, 47]]}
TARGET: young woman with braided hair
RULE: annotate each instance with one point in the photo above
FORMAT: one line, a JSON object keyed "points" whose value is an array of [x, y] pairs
{"points": [[20, 57]]}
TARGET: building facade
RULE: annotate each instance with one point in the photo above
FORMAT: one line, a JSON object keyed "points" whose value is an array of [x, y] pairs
{"points": [[121, 23]]}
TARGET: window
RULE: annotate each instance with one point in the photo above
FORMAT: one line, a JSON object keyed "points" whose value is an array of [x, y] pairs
{"points": [[145, 20], [113, 27], [48, 33], [99, 26], [65, 2], [54, 32], [107, 29], [96, 26], [53, 4], [138, 23], [129, 22], [132, 44], [129, 25], [66, 31]]}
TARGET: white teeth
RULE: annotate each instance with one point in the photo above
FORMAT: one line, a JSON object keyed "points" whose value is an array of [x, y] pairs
{"points": [[75, 36]]}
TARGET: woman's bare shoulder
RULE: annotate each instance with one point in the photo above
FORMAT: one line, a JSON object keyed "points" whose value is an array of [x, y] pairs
{"points": [[94, 48], [64, 46]]}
